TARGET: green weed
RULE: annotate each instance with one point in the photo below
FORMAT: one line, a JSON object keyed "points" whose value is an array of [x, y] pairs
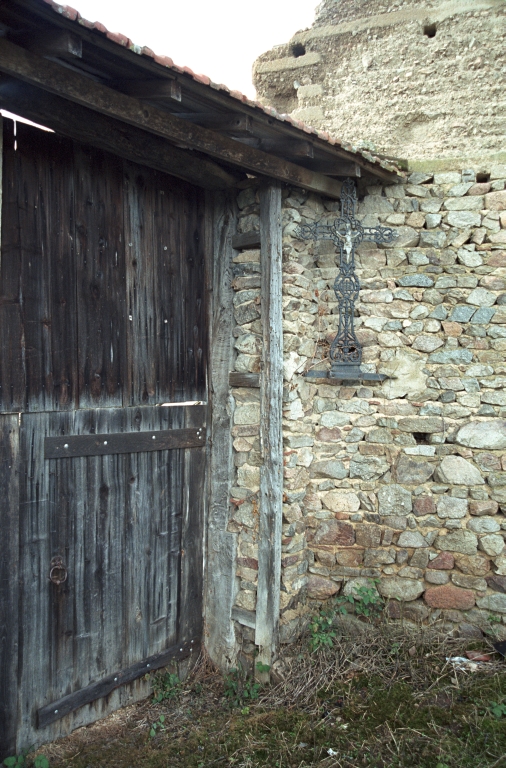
{"points": [[165, 686], [157, 727], [365, 602], [367, 702], [322, 628], [498, 709], [240, 688], [19, 761], [15, 760], [41, 762]]}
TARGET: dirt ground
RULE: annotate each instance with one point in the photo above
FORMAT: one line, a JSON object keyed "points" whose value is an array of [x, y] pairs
{"points": [[382, 695]]}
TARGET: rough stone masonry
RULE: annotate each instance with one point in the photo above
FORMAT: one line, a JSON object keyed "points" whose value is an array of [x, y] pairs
{"points": [[419, 79], [403, 481]]}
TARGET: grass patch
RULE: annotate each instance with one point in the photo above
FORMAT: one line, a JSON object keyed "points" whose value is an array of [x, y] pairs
{"points": [[384, 696]]}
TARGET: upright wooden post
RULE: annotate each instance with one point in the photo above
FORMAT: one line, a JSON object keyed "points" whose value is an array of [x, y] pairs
{"points": [[271, 438], [221, 545]]}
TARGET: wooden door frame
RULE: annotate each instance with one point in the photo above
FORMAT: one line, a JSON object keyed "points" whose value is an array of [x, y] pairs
{"points": [[221, 546], [190, 574]]}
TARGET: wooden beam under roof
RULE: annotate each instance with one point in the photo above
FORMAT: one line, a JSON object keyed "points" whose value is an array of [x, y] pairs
{"points": [[334, 167], [288, 147], [227, 122], [58, 43], [61, 81], [161, 88], [211, 96], [126, 141]]}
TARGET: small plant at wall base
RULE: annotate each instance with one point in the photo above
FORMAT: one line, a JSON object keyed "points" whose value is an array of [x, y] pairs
{"points": [[498, 709], [365, 600], [157, 727], [19, 761], [494, 620], [322, 627], [165, 686], [240, 687]]}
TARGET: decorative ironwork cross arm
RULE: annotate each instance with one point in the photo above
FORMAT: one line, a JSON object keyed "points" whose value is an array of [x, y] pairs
{"points": [[346, 233]]}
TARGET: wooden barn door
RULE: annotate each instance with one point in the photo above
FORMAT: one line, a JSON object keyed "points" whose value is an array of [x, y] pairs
{"points": [[102, 322]]}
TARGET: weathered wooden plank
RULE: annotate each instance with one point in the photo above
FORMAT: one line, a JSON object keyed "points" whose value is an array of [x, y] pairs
{"points": [[142, 517], [38, 361], [52, 77], [290, 147], [126, 141], [58, 602], [165, 88], [58, 709], [221, 545], [116, 521], [235, 124], [57, 42], [246, 240], [76, 482], [1, 173], [36, 671], [136, 442], [162, 518], [335, 167], [100, 279], [271, 418], [192, 530], [238, 379], [9, 581], [193, 288], [197, 277], [12, 367], [46, 220], [147, 312]]}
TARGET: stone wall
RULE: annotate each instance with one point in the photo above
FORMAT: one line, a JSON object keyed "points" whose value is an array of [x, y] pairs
{"points": [[403, 481], [244, 517], [410, 79]]}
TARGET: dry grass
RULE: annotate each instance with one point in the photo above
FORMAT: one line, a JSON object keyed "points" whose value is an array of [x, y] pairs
{"points": [[387, 652], [383, 696]]}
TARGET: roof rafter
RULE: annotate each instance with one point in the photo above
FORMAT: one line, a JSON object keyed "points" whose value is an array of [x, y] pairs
{"points": [[114, 54], [126, 141], [61, 81]]}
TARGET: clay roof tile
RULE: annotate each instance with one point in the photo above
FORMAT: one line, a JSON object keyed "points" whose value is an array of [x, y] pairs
{"points": [[166, 61]]}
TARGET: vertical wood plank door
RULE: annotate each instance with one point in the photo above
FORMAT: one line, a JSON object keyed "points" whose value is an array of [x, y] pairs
{"points": [[103, 343]]}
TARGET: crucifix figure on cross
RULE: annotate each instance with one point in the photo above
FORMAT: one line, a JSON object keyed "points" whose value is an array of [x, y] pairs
{"points": [[346, 233]]}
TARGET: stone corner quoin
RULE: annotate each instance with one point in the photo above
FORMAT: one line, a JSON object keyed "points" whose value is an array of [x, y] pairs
{"points": [[402, 481]]}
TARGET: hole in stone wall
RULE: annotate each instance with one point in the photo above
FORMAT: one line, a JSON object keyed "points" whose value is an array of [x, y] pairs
{"points": [[298, 50], [422, 438], [481, 177], [429, 30]]}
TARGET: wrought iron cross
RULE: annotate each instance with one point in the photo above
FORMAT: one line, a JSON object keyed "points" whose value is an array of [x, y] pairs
{"points": [[346, 233]]}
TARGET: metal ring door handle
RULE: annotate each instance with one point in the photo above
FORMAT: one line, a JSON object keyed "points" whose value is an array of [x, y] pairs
{"points": [[58, 570]]}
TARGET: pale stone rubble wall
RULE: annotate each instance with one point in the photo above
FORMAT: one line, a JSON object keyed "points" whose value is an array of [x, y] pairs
{"points": [[403, 481], [367, 71]]}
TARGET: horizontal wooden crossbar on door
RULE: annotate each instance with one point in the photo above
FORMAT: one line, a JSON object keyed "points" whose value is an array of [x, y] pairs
{"points": [[58, 709], [71, 446]]}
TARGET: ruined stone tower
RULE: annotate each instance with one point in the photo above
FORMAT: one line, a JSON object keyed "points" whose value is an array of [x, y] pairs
{"points": [[421, 79]]}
